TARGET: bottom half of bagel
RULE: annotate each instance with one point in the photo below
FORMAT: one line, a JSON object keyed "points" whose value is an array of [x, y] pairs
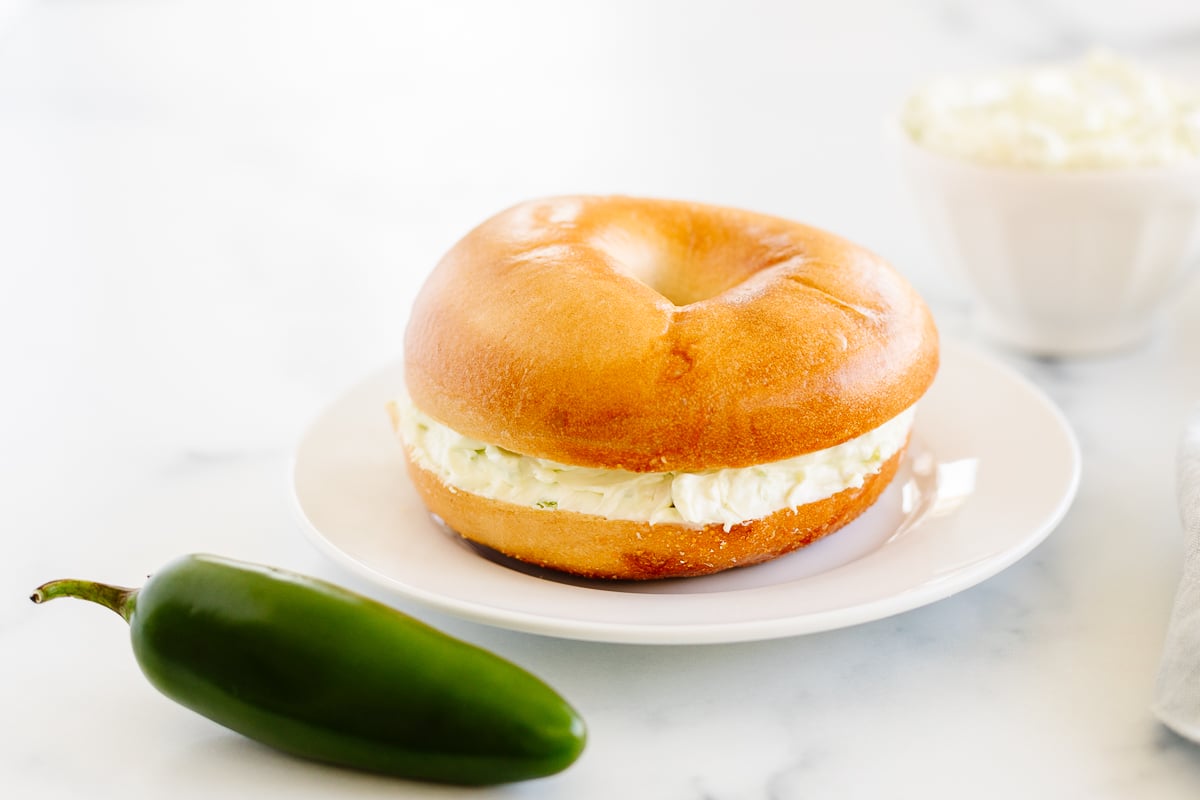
{"points": [[598, 547]]}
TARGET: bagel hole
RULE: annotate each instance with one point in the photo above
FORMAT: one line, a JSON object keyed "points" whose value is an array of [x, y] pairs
{"points": [[683, 269]]}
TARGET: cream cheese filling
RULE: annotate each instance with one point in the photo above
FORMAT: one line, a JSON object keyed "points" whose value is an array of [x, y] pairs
{"points": [[725, 496]]}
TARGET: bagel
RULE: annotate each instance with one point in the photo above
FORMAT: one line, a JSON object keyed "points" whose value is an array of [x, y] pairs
{"points": [[632, 388]]}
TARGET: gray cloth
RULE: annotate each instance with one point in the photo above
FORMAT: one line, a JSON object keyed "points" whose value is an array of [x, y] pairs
{"points": [[1177, 701]]}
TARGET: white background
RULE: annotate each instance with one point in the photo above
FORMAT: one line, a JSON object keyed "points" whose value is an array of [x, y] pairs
{"points": [[213, 217]]}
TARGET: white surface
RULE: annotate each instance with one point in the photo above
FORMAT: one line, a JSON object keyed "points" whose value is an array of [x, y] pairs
{"points": [[213, 216], [947, 522], [1061, 262]]}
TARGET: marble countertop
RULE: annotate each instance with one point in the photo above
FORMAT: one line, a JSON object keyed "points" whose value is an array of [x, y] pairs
{"points": [[213, 217]]}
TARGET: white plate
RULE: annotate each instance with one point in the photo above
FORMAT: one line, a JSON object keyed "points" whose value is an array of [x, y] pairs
{"points": [[992, 469]]}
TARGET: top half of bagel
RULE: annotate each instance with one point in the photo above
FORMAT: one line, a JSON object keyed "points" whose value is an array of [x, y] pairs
{"points": [[656, 335]]}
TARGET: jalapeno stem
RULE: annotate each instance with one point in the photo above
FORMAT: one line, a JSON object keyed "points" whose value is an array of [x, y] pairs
{"points": [[116, 598]]}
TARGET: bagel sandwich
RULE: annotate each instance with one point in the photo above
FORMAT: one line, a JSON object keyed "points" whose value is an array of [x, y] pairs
{"points": [[630, 388]]}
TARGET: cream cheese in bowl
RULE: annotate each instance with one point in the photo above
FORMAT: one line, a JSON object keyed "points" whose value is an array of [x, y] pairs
{"points": [[1065, 197], [1101, 112]]}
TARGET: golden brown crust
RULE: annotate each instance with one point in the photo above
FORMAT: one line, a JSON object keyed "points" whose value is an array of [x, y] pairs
{"points": [[654, 335], [595, 547]]}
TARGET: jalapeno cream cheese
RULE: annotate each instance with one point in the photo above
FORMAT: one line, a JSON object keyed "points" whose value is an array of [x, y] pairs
{"points": [[725, 496], [1101, 112]]}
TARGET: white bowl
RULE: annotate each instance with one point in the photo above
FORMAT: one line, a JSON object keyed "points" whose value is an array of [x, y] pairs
{"points": [[1058, 262]]}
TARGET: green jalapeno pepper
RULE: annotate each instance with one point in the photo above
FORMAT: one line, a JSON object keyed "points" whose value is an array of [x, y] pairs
{"points": [[323, 673]]}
